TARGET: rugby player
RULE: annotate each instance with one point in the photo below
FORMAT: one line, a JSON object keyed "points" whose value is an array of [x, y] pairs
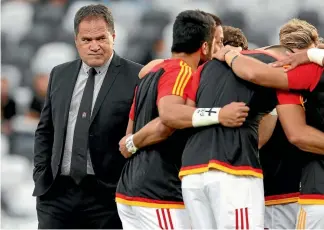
{"points": [[281, 161], [222, 181], [308, 79], [234, 37], [149, 191]]}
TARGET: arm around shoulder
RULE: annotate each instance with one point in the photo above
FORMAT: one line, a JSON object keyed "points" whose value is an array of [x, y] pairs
{"points": [[293, 121], [257, 72], [148, 67]]}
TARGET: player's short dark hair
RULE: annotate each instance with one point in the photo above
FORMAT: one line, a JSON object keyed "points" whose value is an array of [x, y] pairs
{"points": [[217, 20], [280, 48], [234, 37], [190, 30], [97, 10]]}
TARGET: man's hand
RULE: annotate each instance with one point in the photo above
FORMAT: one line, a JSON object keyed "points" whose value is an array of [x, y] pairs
{"points": [[233, 114], [220, 55], [293, 60], [122, 147]]}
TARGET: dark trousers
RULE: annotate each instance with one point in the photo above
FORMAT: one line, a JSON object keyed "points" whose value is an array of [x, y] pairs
{"points": [[71, 206]]}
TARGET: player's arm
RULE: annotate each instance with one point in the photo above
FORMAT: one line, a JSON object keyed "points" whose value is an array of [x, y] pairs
{"points": [[305, 137], [152, 133], [145, 70], [292, 118], [255, 71], [303, 77], [314, 55], [175, 110], [130, 126], [266, 127], [148, 67], [174, 113]]}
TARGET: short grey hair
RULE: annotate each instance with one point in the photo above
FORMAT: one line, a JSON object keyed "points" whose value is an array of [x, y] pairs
{"points": [[97, 10]]}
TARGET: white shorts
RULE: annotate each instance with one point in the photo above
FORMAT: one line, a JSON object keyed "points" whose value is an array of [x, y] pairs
{"points": [[281, 216], [310, 217], [135, 217], [218, 200]]}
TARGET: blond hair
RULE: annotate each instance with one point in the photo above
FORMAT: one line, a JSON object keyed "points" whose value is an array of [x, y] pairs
{"points": [[298, 34], [234, 37]]}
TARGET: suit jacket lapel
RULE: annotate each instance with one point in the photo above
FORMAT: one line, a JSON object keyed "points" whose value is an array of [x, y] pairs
{"points": [[107, 83], [68, 86]]}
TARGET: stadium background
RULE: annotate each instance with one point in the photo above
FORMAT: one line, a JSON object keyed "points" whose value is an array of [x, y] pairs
{"points": [[36, 35]]}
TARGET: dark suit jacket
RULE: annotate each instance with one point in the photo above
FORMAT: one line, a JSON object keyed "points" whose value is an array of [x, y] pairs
{"points": [[108, 123]]}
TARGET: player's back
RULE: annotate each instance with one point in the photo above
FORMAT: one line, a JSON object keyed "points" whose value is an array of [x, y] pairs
{"points": [[227, 147], [150, 177]]}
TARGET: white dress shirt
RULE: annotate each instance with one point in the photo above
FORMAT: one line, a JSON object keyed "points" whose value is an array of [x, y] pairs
{"points": [[74, 109]]}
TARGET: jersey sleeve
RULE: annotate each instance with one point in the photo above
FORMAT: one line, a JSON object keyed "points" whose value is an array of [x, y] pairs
{"points": [[175, 81], [195, 80], [286, 97], [132, 110], [304, 77]]}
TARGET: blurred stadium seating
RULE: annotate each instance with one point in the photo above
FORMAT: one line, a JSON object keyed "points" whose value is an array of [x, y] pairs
{"points": [[36, 35]]}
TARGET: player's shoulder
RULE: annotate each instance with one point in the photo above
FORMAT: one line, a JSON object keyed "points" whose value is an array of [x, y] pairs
{"points": [[175, 64], [176, 67], [150, 67], [256, 51], [311, 65], [213, 64], [261, 55], [307, 68]]}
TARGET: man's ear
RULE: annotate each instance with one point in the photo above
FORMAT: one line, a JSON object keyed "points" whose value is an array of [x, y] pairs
{"points": [[205, 48]]}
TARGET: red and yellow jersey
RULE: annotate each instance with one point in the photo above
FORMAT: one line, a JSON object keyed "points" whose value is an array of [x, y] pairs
{"points": [[150, 177], [305, 79], [175, 81], [231, 150]]}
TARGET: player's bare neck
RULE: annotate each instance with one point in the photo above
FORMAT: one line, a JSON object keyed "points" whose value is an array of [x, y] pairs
{"points": [[192, 60]]}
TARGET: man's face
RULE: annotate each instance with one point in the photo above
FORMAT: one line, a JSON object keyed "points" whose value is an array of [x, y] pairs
{"points": [[209, 50], [206, 53], [94, 41], [218, 41]]}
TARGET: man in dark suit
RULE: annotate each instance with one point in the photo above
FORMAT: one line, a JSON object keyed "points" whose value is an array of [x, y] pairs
{"points": [[77, 161]]}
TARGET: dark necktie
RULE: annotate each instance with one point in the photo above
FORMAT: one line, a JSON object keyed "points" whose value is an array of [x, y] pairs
{"points": [[80, 138]]}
